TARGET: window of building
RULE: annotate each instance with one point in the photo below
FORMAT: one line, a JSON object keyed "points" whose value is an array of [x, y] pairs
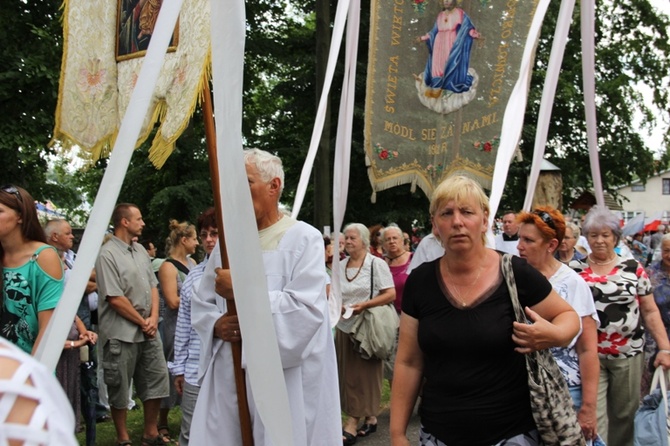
{"points": [[637, 188], [666, 186]]}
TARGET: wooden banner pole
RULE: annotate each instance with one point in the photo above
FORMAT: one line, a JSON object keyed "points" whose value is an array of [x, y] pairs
{"points": [[240, 384]]}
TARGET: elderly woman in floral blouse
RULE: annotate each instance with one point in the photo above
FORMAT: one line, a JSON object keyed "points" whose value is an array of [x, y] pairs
{"points": [[623, 295]]}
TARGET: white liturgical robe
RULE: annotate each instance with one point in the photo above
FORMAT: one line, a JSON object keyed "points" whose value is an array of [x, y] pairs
{"points": [[296, 280]]}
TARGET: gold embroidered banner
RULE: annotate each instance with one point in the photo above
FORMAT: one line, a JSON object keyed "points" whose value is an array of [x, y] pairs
{"points": [[104, 45], [440, 74]]}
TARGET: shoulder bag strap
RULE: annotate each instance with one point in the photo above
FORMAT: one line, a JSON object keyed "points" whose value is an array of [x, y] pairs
{"points": [[372, 276], [177, 264], [508, 274]]}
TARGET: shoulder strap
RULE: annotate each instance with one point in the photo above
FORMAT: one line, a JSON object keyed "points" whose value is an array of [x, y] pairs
{"points": [[177, 264], [508, 274], [39, 250], [372, 275]]}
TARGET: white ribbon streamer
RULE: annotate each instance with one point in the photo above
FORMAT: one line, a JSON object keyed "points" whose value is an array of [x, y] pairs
{"points": [[548, 94], [51, 346], [335, 44], [343, 147], [588, 73], [513, 119], [261, 351]]}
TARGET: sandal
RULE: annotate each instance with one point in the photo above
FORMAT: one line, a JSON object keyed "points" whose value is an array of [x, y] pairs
{"points": [[158, 440], [165, 432], [367, 429], [124, 443], [349, 439]]}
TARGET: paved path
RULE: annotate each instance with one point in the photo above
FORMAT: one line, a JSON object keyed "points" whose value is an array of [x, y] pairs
{"points": [[382, 437]]}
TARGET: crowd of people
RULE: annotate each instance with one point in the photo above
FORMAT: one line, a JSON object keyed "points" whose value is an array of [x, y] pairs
{"points": [[159, 329]]}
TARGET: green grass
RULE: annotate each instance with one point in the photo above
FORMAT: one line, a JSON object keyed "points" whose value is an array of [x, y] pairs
{"points": [[106, 435]]}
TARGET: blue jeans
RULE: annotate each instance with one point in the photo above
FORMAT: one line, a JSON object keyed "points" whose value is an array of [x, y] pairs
{"points": [[576, 394]]}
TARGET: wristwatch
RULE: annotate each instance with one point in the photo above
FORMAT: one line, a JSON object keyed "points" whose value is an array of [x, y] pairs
{"points": [[72, 345]]}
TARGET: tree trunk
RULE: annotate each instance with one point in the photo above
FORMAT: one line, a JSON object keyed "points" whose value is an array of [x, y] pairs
{"points": [[323, 197]]}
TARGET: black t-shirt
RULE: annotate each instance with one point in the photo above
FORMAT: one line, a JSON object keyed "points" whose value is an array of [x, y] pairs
{"points": [[475, 390]]}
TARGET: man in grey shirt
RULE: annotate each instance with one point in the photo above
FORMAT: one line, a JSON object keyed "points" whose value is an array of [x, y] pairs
{"points": [[128, 325]]}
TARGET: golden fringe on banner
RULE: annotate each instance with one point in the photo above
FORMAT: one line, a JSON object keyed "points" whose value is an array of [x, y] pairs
{"points": [[95, 87]]}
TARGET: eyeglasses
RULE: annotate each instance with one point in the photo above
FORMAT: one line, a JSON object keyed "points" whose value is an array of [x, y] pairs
{"points": [[546, 218], [205, 234], [8, 188]]}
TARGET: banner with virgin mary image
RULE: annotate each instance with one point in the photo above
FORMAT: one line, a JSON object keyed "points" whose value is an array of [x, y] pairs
{"points": [[440, 74]]}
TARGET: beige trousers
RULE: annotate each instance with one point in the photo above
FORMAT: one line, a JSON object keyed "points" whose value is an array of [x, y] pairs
{"points": [[619, 398]]}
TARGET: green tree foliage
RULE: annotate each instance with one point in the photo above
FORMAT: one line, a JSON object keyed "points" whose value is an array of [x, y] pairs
{"points": [[32, 41], [280, 100]]}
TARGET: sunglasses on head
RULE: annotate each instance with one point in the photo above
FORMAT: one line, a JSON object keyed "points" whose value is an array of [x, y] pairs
{"points": [[8, 188], [546, 218]]}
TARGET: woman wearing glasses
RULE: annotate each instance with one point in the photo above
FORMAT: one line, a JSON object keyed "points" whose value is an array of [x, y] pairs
{"points": [[625, 303], [32, 279], [541, 233], [566, 251]]}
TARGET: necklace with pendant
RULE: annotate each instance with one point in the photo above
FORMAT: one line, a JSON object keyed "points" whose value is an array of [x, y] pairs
{"points": [[457, 294], [391, 259]]}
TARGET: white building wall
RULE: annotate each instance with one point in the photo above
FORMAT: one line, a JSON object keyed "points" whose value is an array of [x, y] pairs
{"points": [[650, 200]]}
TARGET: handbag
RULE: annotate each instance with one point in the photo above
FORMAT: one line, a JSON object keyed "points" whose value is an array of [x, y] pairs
{"points": [[550, 399], [651, 419], [374, 332]]}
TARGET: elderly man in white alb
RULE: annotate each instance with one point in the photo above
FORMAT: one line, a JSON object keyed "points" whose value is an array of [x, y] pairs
{"points": [[293, 255]]}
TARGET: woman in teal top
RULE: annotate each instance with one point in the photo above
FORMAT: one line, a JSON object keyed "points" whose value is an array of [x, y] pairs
{"points": [[32, 279]]}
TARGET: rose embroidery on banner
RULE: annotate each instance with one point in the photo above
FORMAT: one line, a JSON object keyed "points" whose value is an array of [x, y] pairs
{"points": [[385, 154], [487, 146]]}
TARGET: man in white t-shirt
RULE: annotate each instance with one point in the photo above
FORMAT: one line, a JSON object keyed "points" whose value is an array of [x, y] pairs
{"points": [[429, 249]]}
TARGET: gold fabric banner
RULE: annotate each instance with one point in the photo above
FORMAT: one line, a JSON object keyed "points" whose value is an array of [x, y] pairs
{"points": [[440, 75], [104, 45]]}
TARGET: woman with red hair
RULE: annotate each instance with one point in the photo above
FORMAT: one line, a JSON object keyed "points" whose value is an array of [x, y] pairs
{"points": [[540, 234]]}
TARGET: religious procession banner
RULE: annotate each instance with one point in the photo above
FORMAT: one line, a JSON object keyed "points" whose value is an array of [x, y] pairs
{"points": [[104, 46], [440, 75]]}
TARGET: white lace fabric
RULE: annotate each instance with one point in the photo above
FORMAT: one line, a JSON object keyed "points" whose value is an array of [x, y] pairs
{"points": [[34, 410]]}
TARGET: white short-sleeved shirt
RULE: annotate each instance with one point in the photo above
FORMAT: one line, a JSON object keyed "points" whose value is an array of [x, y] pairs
{"points": [[358, 289], [574, 290]]}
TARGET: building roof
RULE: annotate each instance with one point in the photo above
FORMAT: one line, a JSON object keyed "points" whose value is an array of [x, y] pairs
{"points": [[587, 200]]}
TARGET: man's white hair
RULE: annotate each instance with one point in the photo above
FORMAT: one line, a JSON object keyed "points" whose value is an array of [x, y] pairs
{"points": [[269, 166], [54, 226]]}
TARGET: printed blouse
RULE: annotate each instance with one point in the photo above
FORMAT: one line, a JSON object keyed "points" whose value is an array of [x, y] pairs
{"points": [[617, 298]]}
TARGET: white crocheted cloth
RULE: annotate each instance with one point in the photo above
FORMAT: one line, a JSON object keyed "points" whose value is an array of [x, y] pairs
{"points": [[33, 405]]}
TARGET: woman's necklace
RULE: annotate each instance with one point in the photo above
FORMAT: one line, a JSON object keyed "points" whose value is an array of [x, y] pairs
{"points": [[458, 295], [391, 259], [346, 275], [602, 263]]}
